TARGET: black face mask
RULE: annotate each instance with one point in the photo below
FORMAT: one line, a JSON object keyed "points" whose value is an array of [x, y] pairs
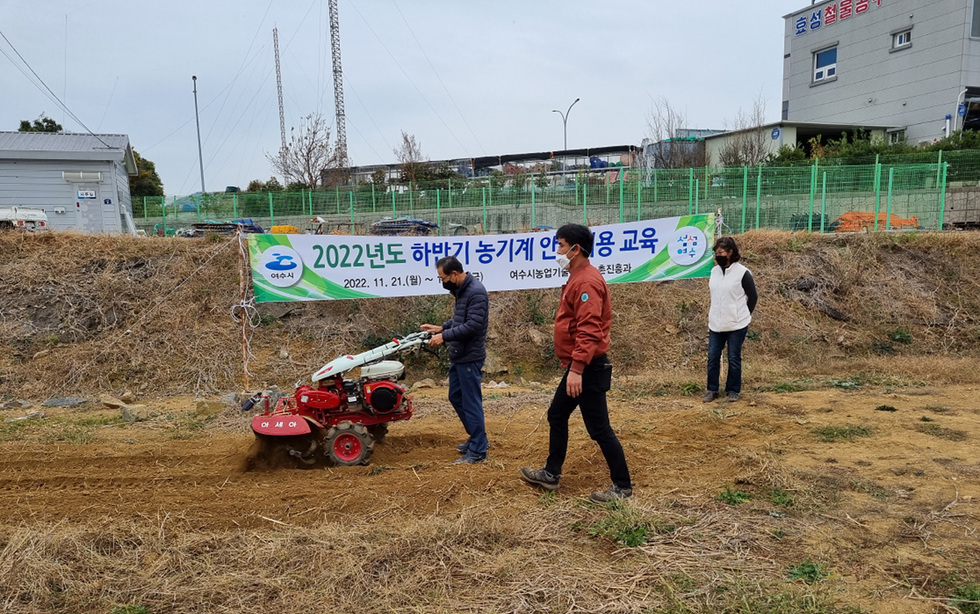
{"points": [[450, 286], [722, 261]]}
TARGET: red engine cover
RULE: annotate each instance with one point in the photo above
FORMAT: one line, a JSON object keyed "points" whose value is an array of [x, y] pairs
{"points": [[383, 397], [316, 399]]}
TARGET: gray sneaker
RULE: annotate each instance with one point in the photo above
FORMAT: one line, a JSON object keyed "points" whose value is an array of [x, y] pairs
{"points": [[709, 397], [613, 493], [732, 397], [540, 477]]}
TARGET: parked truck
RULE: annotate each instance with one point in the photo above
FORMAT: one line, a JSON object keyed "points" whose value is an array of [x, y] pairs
{"points": [[23, 218]]}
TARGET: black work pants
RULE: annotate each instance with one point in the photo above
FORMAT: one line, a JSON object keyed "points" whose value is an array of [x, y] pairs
{"points": [[596, 379]]}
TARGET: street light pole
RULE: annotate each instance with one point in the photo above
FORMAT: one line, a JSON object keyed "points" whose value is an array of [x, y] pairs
{"points": [[564, 121], [197, 120]]}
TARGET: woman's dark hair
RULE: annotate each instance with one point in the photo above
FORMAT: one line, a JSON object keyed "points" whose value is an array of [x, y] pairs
{"points": [[729, 244], [577, 234]]}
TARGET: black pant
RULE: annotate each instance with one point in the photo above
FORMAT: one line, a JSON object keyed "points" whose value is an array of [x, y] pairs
{"points": [[596, 380]]}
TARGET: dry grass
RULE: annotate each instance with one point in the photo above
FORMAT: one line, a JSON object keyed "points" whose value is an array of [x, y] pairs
{"points": [[701, 559], [826, 303]]}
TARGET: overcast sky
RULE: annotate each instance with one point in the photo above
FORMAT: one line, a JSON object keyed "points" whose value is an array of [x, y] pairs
{"points": [[467, 78]]}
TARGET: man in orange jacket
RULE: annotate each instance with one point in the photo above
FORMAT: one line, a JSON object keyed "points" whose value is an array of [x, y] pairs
{"points": [[581, 342]]}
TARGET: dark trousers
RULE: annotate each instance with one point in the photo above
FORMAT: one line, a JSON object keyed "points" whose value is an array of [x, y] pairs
{"points": [[467, 400], [716, 341], [595, 413]]}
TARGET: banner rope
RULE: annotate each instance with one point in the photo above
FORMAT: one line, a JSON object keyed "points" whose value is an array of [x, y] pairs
{"points": [[245, 312]]}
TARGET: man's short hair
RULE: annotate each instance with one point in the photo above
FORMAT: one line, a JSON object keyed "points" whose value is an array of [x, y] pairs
{"points": [[729, 244], [449, 264], [577, 234]]}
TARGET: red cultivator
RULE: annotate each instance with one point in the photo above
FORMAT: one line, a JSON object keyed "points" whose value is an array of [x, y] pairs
{"points": [[338, 420]]}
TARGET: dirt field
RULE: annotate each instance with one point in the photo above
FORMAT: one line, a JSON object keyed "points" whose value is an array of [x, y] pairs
{"points": [[890, 516], [846, 480]]}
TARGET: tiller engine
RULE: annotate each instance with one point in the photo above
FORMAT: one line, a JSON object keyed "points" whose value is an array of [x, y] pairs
{"points": [[338, 419]]}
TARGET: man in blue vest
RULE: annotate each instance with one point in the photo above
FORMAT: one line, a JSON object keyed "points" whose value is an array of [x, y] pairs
{"points": [[466, 334]]}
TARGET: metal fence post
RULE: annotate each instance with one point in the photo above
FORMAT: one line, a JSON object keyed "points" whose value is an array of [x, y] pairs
{"points": [[198, 198], [877, 194], [745, 194], [585, 202], [351, 193], [639, 206], [942, 195], [697, 191], [813, 189], [534, 223], [823, 202], [888, 204], [690, 191], [438, 212], [234, 206], [393, 213], [163, 207], [272, 213], [374, 203], [484, 211], [758, 197], [621, 173]]}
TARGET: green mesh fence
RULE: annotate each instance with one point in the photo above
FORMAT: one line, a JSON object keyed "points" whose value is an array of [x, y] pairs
{"points": [[815, 197]]}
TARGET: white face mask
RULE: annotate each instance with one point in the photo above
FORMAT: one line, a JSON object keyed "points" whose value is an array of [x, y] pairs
{"points": [[563, 260]]}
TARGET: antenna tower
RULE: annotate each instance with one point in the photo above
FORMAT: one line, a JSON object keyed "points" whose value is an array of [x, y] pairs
{"points": [[282, 117], [338, 84]]}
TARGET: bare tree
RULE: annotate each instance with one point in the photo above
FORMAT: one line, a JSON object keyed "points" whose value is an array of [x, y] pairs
{"points": [[412, 163], [749, 143], [307, 154], [667, 144]]}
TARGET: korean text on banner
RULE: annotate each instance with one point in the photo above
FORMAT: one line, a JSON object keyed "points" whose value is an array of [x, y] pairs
{"points": [[329, 267]]}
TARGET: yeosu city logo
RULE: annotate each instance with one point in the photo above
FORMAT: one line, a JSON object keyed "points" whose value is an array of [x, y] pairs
{"points": [[687, 245], [281, 266]]}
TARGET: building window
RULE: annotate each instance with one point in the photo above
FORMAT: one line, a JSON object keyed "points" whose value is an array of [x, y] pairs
{"points": [[896, 136], [825, 65], [900, 40], [975, 30]]}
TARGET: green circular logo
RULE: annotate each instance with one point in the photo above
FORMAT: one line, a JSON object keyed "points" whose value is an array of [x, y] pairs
{"points": [[585, 296]]}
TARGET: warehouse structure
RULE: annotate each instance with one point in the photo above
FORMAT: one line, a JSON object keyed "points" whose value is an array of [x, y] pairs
{"points": [[80, 180]]}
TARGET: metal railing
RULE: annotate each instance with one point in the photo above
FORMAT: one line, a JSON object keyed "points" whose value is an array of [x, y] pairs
{"points": [[813, 197]]}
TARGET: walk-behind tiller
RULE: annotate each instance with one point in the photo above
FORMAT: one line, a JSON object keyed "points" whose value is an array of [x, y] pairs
{"points": [[337, 419]]}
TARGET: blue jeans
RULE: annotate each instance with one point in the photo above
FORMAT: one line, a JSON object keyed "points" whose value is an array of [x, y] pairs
{"points": [[595, 413], [467, 399], [716, 341]]}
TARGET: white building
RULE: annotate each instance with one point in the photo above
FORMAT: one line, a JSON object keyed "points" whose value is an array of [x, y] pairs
{"points": [[80, 180], [912, 65]]}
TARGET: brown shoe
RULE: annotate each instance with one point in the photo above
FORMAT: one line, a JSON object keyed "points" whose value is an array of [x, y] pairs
{"points": [[613, 493], [540, 477]]}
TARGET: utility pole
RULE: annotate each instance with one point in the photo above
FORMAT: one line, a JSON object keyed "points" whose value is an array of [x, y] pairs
{"points": [[197, 120], [338, 85], [282, 117]]}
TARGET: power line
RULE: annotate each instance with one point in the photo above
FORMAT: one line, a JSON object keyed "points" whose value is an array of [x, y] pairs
{"points": [[448, 93], [49, 93], [407, 76]]}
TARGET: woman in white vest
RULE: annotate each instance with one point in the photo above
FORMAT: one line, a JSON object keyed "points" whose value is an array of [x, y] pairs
{"points": [[733, 298]]}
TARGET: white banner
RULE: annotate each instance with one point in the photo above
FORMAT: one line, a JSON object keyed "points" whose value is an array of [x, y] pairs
{"points": [[324, 267]]}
